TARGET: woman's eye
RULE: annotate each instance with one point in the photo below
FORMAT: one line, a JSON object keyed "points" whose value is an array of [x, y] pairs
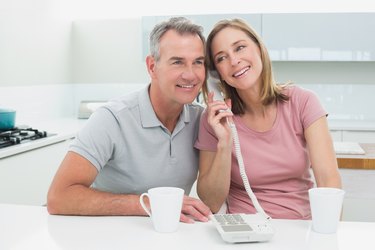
{"points": [[220, 59], [240, 47]]}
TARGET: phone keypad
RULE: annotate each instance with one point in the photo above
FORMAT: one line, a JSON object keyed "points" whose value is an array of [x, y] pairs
{"points": [[232, 222]]}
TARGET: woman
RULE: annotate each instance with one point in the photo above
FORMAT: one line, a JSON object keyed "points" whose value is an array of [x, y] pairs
{"points": [[282, 129]]}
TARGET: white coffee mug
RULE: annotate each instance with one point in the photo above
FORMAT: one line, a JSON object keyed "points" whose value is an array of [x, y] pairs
{"points": [[166, 205], [326, 206]]}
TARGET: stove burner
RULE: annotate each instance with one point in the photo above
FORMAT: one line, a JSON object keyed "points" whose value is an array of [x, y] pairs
{"points": [[19, 135]]}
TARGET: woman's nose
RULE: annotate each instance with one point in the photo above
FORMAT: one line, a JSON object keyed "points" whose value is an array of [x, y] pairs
{"points": [[234, 60]]}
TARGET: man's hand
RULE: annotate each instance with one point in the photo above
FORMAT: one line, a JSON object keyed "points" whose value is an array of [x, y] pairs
{"points": [[194, 209]]}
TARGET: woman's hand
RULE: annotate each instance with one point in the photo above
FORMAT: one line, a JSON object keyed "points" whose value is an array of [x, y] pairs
{"points": [[194, 209], [218, 113]]}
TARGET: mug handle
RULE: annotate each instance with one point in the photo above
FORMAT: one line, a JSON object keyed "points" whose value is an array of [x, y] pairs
{"points": [[143, 204]]}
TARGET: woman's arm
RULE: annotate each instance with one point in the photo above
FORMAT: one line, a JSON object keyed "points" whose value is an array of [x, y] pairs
{"points": [[215, 167], [322, 154], [214, 177]]}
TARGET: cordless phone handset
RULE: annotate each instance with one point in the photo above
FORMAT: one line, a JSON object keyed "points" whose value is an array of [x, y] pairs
{"points": [[213, 86]]}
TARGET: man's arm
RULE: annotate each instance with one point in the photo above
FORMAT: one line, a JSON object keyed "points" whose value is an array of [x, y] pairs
{"points": [[70, 192]]}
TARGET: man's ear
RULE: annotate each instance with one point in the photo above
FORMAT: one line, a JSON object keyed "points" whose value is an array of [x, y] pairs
{"points": [[150, 62]]}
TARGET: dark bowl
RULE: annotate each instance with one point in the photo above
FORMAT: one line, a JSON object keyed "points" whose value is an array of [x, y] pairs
{"points": [[7, 119]]}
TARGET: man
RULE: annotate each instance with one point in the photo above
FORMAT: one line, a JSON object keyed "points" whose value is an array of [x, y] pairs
{"points": [[142, 140]]}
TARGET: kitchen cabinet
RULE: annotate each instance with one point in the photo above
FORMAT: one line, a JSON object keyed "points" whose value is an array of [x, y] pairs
{"points": [[336, 135], [360, 136], [319, 36], [299, 36], [359, 201], [25, 177], [206, 21]]}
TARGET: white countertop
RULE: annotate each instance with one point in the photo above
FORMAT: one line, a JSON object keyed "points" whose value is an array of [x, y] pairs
{"points": [[61, 128], [31, 227]]}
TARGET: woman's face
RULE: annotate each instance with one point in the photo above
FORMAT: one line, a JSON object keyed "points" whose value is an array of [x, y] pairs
{"points": [[237, 58]]}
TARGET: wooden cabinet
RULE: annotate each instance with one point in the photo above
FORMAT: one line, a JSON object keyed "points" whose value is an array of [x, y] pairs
{"points": [[25, 177]]}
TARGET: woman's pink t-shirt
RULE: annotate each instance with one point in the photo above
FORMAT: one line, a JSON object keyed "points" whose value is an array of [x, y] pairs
{"points": [[276, 161]]}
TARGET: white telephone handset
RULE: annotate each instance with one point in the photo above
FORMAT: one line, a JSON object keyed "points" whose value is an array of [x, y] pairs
{"points": [[241, 227]]}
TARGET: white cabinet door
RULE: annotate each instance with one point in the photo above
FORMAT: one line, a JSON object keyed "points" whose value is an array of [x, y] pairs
{"points": [[359, 136], [206, 21], [320, 36], [25, 178], [336, 135], [359, 201]]}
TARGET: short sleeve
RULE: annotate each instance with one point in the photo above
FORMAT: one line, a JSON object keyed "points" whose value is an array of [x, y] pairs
{"points": [[206, 137], [310, 107], [96, 140]]}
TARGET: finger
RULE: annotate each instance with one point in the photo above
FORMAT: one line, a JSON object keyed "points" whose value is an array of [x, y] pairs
{"points": [[198, 205], [229, 103], [186, 219], [210, 97], [196, 209], [192, 212], [218, 106]]}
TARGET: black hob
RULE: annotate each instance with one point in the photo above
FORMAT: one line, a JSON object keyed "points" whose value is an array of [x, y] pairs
{"points": [[20, 135]]}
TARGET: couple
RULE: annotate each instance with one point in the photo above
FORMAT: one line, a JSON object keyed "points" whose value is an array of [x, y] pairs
{"points": [[151, 138]]}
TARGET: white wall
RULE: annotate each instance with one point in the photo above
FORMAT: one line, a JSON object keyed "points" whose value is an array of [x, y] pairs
{"points": [[108, 51], [34, 46], [104, 9]]}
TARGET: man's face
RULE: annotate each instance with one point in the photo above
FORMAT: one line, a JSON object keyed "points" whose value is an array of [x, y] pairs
{"points": [[180, 72]]}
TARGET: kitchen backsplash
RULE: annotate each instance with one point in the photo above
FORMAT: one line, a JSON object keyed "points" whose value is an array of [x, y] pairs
{"points": [[346, 101], [46, 102], [342, 101]]}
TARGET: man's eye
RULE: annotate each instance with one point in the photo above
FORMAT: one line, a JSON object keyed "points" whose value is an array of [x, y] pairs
{"points": [[177, 62], [199, 62]]}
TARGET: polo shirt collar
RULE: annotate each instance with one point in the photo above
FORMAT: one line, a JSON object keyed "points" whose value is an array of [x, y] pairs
{"points": [[148, 116]]}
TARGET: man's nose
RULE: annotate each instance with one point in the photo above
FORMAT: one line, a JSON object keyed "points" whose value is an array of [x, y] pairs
{"points": [[188, 73]]}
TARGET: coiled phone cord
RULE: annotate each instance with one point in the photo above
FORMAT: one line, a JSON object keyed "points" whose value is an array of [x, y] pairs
{"points": [[245, 180]]}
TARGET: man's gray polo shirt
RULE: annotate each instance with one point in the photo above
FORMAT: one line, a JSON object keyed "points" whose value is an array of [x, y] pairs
{"points": [[133, 151]]}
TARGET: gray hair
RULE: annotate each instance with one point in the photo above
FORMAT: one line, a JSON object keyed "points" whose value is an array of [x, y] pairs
{"points": [[181, 25]]}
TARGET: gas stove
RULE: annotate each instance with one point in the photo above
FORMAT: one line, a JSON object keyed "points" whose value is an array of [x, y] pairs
{"points": [[20, 135]]}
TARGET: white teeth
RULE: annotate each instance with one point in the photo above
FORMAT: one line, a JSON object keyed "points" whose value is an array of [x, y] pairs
{"points": [[241, 72], [185, 86]]}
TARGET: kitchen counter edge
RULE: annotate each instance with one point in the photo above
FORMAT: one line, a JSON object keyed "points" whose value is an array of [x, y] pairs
{"points": [[60, 130]]}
